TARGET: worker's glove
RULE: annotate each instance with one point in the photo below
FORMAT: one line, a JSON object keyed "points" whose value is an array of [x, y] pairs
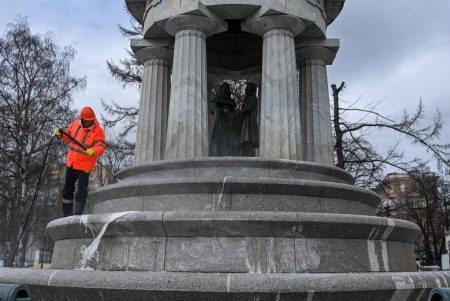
{"points": [[58, 133], [90, 152]]}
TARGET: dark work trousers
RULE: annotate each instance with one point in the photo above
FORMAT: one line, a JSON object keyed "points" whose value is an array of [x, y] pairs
{"points": [[72, 175]]}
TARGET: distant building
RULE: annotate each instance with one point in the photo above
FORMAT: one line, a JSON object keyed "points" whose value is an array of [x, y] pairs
{"points": [[404, 198]]}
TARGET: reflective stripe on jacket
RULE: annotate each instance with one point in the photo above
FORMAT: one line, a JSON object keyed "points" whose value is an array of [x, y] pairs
{"points": [[91, 138]]}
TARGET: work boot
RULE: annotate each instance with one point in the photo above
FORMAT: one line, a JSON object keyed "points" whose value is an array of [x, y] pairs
{"points": [[78, 208], [67, 209]]}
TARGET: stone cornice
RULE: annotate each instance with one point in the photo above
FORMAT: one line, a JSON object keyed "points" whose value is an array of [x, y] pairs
{"points": [[145, 50], [330, 11], [208, 23], [137, 9], [316, 49], [261, 25]]}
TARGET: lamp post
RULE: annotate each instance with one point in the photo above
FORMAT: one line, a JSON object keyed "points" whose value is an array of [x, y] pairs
{"points": [[388, 204]]}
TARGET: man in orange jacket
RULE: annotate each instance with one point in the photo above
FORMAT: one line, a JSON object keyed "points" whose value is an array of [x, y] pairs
{"points": [[80, 162]]}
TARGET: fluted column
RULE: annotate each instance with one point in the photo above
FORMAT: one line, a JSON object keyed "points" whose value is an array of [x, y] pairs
{"points": [[153, 106], [280, 113], [315, 105], [187, 132]]}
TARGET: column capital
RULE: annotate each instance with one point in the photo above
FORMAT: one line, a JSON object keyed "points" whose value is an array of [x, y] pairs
{"points": [[208, 25], [145, 49], [261, 25], [311, 49]]}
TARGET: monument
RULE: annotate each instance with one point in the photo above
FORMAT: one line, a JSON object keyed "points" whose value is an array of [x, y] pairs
{"points": [[280, 224]]}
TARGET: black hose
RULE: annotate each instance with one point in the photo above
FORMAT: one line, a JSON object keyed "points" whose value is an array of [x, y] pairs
{"points": [[33, 201], [39, 182]]}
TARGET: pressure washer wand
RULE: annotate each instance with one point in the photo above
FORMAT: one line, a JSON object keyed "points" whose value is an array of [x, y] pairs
{"points": [[84, 148]]}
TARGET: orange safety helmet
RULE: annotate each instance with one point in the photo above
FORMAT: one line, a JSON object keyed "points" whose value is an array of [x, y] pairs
{"points": [[87, 114]]}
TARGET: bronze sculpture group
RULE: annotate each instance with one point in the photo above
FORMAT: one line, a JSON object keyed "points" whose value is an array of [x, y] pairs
{"points": [[234, 130]]}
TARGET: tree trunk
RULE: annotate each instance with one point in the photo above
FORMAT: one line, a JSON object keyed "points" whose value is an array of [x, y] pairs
{"points": [[337, 127], [428, 253]]}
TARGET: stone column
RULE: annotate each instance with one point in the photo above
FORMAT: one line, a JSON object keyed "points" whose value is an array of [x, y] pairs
{"points": [[187, 132], [280, 113], [153, 107], [315, 104]]}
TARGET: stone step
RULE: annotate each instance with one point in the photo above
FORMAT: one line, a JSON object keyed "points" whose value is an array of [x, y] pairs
{"points": [[221, 167], [241, 242], [175, 286], [234, 224], [234, 194]]}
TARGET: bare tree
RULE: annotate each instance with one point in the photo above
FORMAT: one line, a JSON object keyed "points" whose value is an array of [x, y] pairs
{"points": [[121, 118], [35, 97], [356, 154], [444, 196], [129, 73], [120, 154], [416, 198], [426, 213], [127, 70]]}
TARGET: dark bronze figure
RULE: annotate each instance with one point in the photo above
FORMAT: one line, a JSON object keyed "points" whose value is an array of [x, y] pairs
{"points": [[224, 140], [249, 134]]}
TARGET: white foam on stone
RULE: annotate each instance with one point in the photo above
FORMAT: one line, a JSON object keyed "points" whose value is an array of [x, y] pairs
{"points": [[272, 267], [51, 277], [258, 268], [89, 251], [313, 256], [374, 265], [373, 259], [438, 282], [376, 233], [384, 253], [443, 278], [249, 258], [422, 292], [84, 220], [208, 206], [404, 287], [371, 233], [221, 192], [278, 297], [387, 232]]}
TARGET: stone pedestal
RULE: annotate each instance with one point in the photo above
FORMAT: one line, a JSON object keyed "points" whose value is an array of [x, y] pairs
{"points": [[315, 105], [231, 229]]}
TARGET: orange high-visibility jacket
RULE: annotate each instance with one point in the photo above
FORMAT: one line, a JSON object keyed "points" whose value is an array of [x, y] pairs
{"points": [[91, 138]]}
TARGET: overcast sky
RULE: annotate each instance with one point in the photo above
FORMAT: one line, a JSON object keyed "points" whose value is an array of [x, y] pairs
{"points": [[397, 50]]}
